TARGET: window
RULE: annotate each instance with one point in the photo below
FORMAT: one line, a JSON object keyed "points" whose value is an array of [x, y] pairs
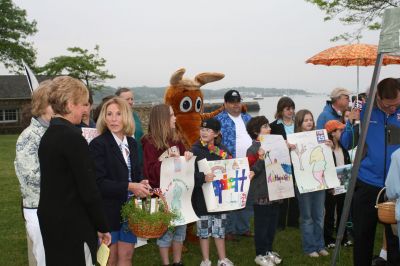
{"points": [[8, 115]]}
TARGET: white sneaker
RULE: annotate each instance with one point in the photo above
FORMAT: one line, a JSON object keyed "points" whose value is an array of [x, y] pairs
{"points": [[323, 252], [313, 255], [225, 262], [205, 263], [263, 261], [274, 257]]}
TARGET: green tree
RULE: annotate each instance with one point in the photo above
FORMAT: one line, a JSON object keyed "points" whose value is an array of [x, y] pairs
{"points": [[14, 31], [82, 65], [365, 14]]}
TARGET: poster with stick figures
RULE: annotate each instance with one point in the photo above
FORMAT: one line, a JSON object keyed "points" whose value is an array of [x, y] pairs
{"points": [[277, 167], [312, 159], [176, 184]]}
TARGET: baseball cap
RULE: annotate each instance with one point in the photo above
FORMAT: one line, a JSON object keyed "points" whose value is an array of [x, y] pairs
{"points": [[211, 123], [232, 96], [339, 91], [332, 125]]}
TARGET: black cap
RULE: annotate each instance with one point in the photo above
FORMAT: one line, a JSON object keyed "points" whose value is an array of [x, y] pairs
{"points": [[211, 123], [232, 96]]}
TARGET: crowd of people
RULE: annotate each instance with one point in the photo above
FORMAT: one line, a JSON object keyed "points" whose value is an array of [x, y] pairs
{"points": [[73, 192]]}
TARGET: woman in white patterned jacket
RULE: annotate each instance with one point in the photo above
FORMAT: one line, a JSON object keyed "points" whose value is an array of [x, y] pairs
{"points": [[27, 165]]}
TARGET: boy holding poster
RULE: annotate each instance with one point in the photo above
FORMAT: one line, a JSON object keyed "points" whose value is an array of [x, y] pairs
{"points": [[266, 212], [209, 147]]}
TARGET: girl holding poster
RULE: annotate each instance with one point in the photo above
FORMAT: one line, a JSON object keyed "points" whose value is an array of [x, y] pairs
{"points": [[266, 212], [209, 147], [161, 142], [311, 205]]}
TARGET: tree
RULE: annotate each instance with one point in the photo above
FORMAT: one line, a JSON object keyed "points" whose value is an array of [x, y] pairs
{"points": [[82, 65], [14, 31], [366, 14]]}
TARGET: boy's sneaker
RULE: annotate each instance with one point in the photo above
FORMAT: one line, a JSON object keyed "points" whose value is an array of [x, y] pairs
{"points": [[274, 257], [331, 245], [323, 252], [313, 254], [348, 243], [225, 262], [263, 261], [205, 263]]}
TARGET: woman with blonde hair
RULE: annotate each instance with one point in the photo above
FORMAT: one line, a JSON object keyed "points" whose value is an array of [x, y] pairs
{"points": [[27, 166], [160, 142], [70, 210], [118, 174]]}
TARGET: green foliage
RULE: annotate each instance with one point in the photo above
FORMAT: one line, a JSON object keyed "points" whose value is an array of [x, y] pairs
{"points": [[14, 31], [142, 215], [365, 14], [82, 65]]}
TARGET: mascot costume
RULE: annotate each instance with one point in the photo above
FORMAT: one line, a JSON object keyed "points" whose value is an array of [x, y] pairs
{"points": [[186, 99]]}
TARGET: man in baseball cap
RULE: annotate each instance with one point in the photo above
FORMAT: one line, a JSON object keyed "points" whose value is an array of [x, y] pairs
{"points": [[340, 99]]}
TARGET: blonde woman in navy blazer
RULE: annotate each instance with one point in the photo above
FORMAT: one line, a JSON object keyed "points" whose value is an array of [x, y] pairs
{"points": [[118, 174]]}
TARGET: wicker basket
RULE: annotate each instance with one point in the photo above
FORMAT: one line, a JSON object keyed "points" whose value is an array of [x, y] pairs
{"points": [[386, 210], [146, 230]]}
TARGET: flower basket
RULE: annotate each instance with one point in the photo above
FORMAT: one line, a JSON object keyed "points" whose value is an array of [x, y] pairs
{"points": [[145, 224], [386, 210]]}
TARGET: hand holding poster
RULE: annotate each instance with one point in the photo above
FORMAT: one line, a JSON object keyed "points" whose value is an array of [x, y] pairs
{"points": [[277, 166], [231, 184], [312, 160], [177, 183]]}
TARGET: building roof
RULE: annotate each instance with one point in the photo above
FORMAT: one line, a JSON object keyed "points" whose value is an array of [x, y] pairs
{"points": [[16, 86]]}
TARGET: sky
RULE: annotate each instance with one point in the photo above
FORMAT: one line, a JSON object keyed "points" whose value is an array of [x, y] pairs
{"points": [[255, 43]]}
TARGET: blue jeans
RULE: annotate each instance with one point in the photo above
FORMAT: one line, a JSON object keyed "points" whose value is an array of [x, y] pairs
{"points": [[311, 206]]}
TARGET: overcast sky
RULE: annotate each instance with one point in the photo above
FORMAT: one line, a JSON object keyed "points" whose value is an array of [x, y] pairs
{"points": [[254, 43]]}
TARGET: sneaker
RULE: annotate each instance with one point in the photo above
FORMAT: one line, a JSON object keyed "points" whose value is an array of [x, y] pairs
{"points": [[323, 252], [263, 261], [348, 243], [274, 257], [225, 262], [313, 255], [331, 245], [205, 263]]}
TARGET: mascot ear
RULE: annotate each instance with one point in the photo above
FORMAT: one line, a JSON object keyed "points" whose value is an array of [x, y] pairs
{"points": [[177, 76], [204, 78]]}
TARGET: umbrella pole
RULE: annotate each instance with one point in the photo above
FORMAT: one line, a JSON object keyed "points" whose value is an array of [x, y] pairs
{"points": [[356, 165]]}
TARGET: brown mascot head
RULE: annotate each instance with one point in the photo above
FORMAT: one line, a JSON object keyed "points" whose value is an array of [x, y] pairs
{"points": [[186, 99]]}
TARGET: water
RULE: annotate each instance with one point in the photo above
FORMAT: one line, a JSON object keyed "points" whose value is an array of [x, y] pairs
{"points": [[315, 104]]}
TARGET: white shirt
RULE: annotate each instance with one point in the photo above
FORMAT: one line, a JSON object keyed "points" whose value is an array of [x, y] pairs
{"points": [[243, 140], [125, 146]]}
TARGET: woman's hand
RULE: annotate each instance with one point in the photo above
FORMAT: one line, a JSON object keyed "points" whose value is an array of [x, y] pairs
{"points": [[139, 189], [104, 238], [209, 177], [188, 155]]}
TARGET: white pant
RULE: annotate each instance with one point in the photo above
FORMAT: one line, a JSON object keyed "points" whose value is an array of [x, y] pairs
{"points": [[33, 229]]}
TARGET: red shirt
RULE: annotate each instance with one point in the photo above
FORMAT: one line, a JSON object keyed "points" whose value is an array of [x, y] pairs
{"points": [[151, 164]]}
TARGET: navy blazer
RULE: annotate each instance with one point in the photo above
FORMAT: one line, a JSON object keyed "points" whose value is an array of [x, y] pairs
{"points": [[112, 174]]}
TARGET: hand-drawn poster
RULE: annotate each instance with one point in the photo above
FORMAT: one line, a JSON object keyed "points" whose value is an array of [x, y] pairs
{"points": [[177, 183], [278, 167], [344, 175], [89, 133], [228, 191], [312, 159]]}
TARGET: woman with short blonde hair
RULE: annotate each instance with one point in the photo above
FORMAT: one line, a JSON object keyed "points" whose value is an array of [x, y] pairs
{"points": [[126, 113]]}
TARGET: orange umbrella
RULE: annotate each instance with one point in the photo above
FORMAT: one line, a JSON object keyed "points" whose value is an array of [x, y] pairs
{"points": [[351, 55]]}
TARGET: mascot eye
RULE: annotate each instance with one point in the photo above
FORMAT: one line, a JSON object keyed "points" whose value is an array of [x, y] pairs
{"points": [[186, 104], [198, 104]]}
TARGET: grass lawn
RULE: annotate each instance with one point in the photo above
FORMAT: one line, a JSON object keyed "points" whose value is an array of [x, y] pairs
{"points": [[13, 237]]}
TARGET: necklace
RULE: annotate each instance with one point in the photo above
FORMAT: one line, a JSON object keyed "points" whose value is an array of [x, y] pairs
{"points": [[216, 150]]}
